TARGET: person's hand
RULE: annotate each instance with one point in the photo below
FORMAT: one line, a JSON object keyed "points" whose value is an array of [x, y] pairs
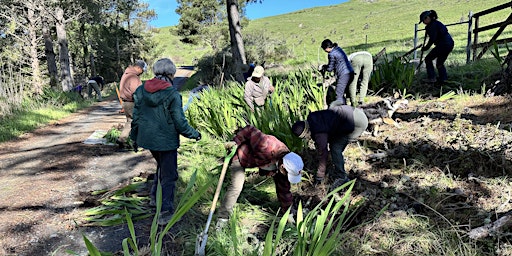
{"points": [[198, 138], [135, 147], [424, 48], [229, 145]]}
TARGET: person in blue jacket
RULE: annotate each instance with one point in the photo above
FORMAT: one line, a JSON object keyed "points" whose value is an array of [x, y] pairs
{"points": [[339, 63], [158, 121], [437, 35]]}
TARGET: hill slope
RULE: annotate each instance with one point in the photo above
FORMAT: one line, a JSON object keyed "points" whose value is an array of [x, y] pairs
{"points": [[355, 25]]}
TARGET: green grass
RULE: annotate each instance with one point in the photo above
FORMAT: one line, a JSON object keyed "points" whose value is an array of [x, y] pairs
{"points": [[357, 25]]}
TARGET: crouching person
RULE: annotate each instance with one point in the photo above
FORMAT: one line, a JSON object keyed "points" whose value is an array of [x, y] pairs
{"points": [[332, 128], [271, 156]]}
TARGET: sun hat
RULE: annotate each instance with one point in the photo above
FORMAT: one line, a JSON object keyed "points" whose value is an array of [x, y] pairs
{"points": [[423, 16], [258, 71], [293, 165]]}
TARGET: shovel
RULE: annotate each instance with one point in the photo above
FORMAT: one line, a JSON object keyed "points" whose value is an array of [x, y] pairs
{"points": [[203, 237]]}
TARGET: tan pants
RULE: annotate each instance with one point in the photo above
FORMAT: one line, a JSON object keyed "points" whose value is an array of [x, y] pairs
{"points": [[128, 112], [234, 189]]}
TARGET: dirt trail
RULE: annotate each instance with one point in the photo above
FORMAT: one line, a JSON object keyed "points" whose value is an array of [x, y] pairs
{"points": [[45, 172]]}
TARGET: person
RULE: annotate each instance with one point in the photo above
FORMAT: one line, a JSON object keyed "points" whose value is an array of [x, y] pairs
{"points": [[271, 156], [332, 128], [437, 35], [195, 93], [95, 83], [339, 63], [257, 88], [362, 63], [130, 81], [158, 122], [250, 69]]}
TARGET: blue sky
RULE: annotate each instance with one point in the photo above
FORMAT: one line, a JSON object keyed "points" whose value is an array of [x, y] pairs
{"points": [[167, 16]]}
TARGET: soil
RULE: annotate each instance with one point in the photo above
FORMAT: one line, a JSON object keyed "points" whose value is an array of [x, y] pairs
{"points": [[46, 173]]}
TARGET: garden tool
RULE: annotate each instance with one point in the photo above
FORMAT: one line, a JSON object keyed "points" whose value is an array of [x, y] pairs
{"points": [[203, 237], [421, 54]]}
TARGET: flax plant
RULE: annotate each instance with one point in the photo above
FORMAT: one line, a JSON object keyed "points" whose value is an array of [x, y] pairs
{"points": [[320, 232]]}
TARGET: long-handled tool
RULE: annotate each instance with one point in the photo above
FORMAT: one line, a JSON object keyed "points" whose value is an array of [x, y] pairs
{"points": [[421, 54], [203, 237]]}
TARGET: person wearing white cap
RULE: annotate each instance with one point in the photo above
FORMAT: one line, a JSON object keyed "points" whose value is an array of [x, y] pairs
{"points": [[257, 88], [332, 128], [271, 156]]}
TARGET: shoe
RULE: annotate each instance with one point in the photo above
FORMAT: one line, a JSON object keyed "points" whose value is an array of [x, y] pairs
{"points": [[429, 80], [164, 218], [221, 224], [338, 183], [152, 202]]}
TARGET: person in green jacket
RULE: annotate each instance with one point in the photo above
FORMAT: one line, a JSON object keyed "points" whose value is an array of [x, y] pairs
{"points": [[158, 121]]}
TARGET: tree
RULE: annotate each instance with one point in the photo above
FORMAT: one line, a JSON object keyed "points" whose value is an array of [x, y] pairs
{"points": [[237, 42]]}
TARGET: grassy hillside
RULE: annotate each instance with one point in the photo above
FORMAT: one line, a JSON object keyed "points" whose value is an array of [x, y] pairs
{"points": [[355, 25]]}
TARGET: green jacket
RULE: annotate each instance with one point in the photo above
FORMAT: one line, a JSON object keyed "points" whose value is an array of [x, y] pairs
{"points": [[158, 118]]}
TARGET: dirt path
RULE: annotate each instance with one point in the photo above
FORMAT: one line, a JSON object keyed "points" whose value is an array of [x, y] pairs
{"points": [[45, 172]]}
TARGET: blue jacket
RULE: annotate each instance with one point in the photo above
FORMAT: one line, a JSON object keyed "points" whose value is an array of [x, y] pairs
{"points": [[338, 61], [438, 35], [158, 118]]}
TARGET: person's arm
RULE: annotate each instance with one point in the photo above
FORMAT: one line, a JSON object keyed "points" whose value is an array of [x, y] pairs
{"points": [[271, 88], [332, 61], [248, 94], [433, 32], [179, 120]]}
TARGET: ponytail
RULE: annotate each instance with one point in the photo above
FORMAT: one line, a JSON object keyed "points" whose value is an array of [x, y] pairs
{"points": [[433, 15]]}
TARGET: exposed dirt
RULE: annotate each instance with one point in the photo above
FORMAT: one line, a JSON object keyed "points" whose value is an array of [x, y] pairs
{"points": [[46, 173]]}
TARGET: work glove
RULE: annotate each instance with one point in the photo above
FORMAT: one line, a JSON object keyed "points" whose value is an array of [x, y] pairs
{"points": [[229, 145], [424, 48], [198, 138]]}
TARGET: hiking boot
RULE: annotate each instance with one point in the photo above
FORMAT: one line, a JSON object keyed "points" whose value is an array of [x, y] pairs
{"points": [[164, 218], [221, 224], [338, 183]]}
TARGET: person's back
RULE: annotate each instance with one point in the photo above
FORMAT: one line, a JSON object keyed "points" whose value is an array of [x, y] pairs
{"points": [[130, 81]]}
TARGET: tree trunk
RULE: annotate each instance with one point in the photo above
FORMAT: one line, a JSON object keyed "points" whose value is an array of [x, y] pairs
{"points": [[237, 43], [65, 69], [50, 55], [85, 50], [32, 27]]}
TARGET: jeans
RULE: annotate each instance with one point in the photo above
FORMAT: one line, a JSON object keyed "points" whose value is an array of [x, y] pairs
{"points": [[341, 85], [167, 175]]}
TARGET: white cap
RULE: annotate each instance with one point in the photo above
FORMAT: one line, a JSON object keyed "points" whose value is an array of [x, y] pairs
{"points": [[293, 165], [258, 71]]}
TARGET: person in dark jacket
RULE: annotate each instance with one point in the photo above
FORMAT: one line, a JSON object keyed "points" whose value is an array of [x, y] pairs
{"points": [[271, 156], [437, 35], [158, 121], [339, 63], [332, 128], [95, 83]]}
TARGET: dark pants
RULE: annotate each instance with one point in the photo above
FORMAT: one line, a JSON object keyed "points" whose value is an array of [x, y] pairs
{"points": [[339, 143], [167, 174], [440, 54], [342, 83]]}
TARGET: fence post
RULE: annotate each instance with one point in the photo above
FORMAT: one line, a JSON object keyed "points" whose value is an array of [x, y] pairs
{"points": [[415, 40], [468, 47], [475, 39]]}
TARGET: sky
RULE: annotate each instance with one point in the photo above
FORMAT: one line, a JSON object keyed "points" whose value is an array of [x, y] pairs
{"points": [[167, 16]]}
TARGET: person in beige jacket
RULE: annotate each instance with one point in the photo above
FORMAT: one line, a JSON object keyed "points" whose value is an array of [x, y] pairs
{"points": [[257, 88], [130, 81]]}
